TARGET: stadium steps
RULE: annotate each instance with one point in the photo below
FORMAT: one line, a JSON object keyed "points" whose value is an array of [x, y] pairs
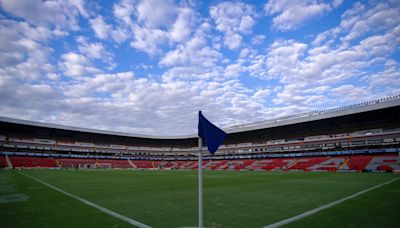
{"points": [[344, 164], [9, 163], [58, 163], [293, 163], [131, 163]]}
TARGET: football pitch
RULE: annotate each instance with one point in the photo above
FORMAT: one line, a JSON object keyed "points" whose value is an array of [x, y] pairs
{"points": [[45, 198]]}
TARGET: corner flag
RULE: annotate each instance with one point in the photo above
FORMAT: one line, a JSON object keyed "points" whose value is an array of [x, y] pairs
{"points": [[213, 135], [214, 138]]}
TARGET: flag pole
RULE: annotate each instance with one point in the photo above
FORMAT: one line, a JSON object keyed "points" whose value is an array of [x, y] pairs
{"points": [[200, 184]]}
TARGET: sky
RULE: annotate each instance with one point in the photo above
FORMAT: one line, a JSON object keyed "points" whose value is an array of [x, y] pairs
{"points": [[148, 67]]}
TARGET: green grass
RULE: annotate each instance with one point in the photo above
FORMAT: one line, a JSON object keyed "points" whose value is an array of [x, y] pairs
{"points": [[169, 198]]}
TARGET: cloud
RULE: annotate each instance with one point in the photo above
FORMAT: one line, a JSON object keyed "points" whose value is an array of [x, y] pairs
{"points": [[147, 36], [331, 62], [148, 40], [292, 14], [261, 94], [259, 39], [284, 58], [362, 21], [233, 41], [188, 59], [387, 79], [183, 26], [15, 93], [153, 24], [234, 70], [119, 32], [233, 19], [155, 14], [123, 11], [23, 53], [136, 100], [352, 94], [194, 52], [64, 14], [95, 51], [101, 29], [76, 65]]}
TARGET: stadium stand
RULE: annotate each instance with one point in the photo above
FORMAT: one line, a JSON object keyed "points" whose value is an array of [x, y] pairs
{"points": [[32, 162], [361, 137], [358, 163], [354, 163], [384, 163], [119, 164], [3, 162], [306, 163], [73, 162]]}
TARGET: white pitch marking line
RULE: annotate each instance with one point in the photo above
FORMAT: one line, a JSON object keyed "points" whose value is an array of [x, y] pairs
{"points": [[318, 209], [87, 202]]}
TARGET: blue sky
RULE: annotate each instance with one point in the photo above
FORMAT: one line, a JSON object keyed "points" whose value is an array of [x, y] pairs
{"points": [[148, 66]]}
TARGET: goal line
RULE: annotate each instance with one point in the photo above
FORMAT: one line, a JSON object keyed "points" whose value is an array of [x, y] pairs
{"points": [[318, 209], [87, 202]]}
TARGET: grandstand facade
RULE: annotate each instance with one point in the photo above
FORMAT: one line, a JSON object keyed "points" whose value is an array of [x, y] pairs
{"points": [[361, 137]]}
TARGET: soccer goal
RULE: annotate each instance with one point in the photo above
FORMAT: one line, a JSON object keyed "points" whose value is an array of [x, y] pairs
{"points": [[103, 166]]}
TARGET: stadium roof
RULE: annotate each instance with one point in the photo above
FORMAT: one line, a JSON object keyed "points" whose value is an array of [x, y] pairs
{"points": [[319, 115], [277, 122]]}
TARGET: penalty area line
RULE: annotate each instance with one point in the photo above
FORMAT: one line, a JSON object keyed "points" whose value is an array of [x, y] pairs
{"points": [[318, 209], [87, 202]]}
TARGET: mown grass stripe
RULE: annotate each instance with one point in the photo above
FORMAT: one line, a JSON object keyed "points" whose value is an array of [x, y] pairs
{"points": [[87, 202], [318, 209]]}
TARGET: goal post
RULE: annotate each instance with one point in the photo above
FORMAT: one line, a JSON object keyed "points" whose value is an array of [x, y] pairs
{"points": [[103, 166]]}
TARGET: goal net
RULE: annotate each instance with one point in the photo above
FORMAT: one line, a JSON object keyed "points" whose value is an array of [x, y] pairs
{"points": [[103, 166]]}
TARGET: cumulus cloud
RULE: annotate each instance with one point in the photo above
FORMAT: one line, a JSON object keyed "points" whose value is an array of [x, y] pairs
{"points": [[95, 51], [234, 70], [233, 19], [155, 14], [137, 100], [174, 59], [292, 14], [183, 26], [259, 39], [148, 40], [194, 52], [233, 41], [23, 53], [352, 94], [59, 14], [153, 24], [261, 94], [101, 29], [76, 65], [284, 59], [299, 66]]}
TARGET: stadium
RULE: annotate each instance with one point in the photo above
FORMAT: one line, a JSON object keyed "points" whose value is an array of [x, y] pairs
{"points": [[209, 114], [323, 155]]}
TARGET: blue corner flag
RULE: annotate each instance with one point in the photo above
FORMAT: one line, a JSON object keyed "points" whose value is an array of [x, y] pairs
{"points": [[213, 136]]}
